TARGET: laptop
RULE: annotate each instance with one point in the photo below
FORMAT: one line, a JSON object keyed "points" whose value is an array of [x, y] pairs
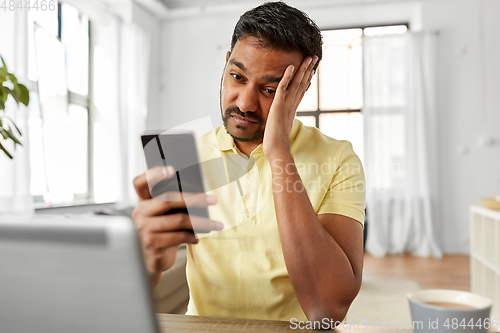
{"points": [[72, 274]]}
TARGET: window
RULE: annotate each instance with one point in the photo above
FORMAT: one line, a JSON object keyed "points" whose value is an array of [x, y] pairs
{"points": [[59, 117], [334, 102]]}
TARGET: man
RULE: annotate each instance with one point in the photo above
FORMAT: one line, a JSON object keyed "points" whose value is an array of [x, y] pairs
{"points": [[299, 255]]}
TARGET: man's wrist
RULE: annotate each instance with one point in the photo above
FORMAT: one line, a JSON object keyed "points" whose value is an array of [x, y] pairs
{"points": [[282, 154], [282, 163]]}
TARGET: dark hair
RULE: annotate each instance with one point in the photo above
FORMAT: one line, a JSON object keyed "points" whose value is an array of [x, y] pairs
{"points": [[281, 27]]}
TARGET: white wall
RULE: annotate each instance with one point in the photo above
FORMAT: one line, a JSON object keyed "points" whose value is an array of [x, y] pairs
{"points": [[152, 25], [463, 79], [144, 16], [192, 58], [194, 49]]}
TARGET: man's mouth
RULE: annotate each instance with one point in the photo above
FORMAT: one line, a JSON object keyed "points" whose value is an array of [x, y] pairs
{"points": [[243, 121]]}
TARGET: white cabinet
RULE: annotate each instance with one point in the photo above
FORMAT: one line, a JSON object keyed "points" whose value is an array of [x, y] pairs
{"points": [[485, 255]]}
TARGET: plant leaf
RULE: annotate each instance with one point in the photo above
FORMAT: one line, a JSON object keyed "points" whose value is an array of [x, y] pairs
{"points": [[4, 133], [5, 151], [3, 94], [24, 94], [13, 93], [3, 63], [13, 79], [17, 128], [13, 138], [3, 70], [13, 123]]}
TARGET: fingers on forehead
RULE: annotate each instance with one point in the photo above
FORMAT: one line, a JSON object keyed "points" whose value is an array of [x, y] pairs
{"points": [[302, 73], [309, 63], [288, 77], [309, 70]]}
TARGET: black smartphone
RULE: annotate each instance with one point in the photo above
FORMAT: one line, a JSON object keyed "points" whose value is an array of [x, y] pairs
{"points": [[179, 151]]}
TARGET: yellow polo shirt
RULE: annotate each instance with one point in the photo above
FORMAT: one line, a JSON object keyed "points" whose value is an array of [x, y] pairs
{"points": [[240, 271]]}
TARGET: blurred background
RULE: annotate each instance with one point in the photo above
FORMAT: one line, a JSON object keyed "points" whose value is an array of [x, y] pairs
{"points": [[412, 84]]}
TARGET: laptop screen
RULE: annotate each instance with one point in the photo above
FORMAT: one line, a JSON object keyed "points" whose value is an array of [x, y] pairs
{"points": [[72, 274]]}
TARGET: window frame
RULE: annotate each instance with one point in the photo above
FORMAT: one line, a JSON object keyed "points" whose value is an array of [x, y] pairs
{"points": [[316, 113], [85, 102]]}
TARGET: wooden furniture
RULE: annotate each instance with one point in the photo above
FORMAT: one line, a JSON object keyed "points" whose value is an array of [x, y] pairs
{"points": [[188, 324], [452, 271], [485, 255]]}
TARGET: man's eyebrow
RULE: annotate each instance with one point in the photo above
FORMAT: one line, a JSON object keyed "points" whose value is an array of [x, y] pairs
{"points": [[237, 64], [267, 78], [270, 78]]}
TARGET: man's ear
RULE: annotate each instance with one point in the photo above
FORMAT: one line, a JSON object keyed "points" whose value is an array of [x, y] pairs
{"points": [[227, 55]]}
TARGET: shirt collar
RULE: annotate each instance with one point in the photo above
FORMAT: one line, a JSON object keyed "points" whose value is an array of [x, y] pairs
{"points": [[224, 141]]}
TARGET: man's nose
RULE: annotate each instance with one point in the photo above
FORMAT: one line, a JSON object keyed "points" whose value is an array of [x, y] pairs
{"points": [[248, 99]]}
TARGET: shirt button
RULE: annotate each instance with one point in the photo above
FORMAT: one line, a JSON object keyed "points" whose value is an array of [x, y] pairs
{"points": [[251, 172], [249, 196]]}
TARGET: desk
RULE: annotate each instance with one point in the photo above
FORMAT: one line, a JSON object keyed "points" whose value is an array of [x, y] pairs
{"points": [[188, 324]]}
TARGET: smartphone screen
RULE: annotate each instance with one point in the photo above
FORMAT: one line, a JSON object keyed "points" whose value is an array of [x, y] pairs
{"points": [[178, 151]]}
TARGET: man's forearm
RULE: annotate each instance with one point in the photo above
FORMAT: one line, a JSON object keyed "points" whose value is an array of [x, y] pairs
{"points": [[320, 272]]}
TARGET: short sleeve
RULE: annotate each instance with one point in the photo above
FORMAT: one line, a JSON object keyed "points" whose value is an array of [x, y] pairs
{"points": [[346, 192]]}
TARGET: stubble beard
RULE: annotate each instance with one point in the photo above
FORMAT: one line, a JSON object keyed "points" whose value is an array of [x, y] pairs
{"points": [[226, 114], [257, 135]]}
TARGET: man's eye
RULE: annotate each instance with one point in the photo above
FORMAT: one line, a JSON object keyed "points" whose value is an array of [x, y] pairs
{"points": [[236, 76], [270, 91]]}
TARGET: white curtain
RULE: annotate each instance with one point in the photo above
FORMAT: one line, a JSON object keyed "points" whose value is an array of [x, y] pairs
{"points": [[400, 160], [121, 85], [134, 72], [15, 174]]}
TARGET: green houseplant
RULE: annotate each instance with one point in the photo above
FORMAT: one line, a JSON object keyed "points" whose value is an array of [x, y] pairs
{"points": [[10, 86]]}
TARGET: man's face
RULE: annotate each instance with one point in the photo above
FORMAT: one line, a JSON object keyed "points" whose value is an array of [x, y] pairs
{"points": [[249, 83]]}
